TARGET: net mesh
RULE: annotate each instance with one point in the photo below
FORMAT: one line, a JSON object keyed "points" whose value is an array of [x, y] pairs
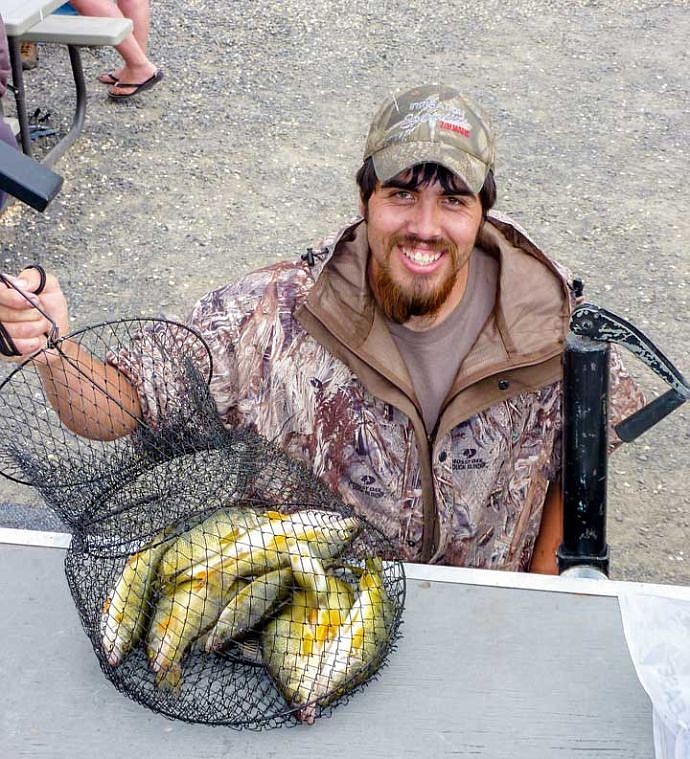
{"points": [[218, 580]]}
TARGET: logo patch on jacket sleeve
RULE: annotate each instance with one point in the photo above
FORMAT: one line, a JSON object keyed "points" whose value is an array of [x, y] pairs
{"points": [[367, 485]]}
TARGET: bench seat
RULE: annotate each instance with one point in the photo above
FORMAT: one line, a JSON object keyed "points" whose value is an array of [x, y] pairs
{"points": [[91, 31]]}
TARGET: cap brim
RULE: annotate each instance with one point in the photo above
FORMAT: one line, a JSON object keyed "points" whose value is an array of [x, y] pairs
{"points": [[399, 157]]}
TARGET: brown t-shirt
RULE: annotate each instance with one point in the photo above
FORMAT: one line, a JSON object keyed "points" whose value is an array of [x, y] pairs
{"points": [[433, 357]]}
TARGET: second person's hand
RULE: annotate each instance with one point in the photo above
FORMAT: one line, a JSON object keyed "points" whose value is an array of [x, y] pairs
{"points": [[23, 328]]}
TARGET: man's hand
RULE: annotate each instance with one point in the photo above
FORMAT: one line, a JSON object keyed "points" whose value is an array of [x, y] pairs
{"points": [[91, 398], [22, 323]]}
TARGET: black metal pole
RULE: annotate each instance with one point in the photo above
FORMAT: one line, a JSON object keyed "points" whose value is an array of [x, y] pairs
{"points": [[585, 443], [14, 44], [79, 108]]}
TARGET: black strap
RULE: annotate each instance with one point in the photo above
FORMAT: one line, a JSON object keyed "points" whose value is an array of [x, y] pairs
{"points": [[7, 346]]}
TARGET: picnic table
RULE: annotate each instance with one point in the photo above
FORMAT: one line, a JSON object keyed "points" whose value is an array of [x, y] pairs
{"points": [[31, 20], [491, 664]]}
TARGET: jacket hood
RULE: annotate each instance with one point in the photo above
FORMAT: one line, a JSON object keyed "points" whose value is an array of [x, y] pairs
{"points": [[530, 319]]}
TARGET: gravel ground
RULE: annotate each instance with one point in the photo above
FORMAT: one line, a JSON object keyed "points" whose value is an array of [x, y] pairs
{"points": [[247, 152]]}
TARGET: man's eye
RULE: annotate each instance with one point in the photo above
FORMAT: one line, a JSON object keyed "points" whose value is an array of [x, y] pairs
{"points": [[402, 194], [454, 201]]}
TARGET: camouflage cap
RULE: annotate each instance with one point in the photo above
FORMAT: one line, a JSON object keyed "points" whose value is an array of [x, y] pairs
{"points": [[432, 123]]}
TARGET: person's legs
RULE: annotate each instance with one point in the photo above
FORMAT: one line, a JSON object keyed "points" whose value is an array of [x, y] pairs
{"points": [[140, 13], [137, 67]]}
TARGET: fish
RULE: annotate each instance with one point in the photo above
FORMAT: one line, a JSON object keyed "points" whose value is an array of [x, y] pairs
{"points": [[207, 538], [264, 548], [179, 618], [290, 647], [308, 570], [199, 644], [310, 574], [248, 607], [125, 609], [358, 645]]}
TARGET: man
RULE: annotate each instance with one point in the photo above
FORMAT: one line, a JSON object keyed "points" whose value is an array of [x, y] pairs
{"points": [[413, 361]]}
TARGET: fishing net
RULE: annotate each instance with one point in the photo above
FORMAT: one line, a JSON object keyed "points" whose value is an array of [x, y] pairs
{"points": [[218, 580]]}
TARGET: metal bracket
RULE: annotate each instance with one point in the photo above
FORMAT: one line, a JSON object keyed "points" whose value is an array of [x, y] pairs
{"points": [[589, 320]]}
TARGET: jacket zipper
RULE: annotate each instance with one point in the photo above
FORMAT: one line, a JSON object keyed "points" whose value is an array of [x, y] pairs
{"points": [[429, 546]]}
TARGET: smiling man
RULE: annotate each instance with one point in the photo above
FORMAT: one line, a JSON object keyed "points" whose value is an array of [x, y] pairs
{"points": [[413, 360]]}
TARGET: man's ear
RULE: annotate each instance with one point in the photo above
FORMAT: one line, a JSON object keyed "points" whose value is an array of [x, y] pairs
{"points": [[362, 208]]}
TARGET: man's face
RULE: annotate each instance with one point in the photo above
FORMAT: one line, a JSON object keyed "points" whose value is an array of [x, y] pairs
{"points": [[420, 237]]}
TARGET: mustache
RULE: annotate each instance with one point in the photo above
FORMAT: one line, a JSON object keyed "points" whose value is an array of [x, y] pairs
{"points": [[436, 244]]}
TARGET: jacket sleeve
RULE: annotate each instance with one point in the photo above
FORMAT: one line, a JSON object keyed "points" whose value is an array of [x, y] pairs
{"points": [[168, 366], [215, 317], [625, 397]]}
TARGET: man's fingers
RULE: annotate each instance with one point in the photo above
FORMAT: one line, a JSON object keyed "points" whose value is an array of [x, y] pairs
{"points": [[25, 347], [9, 295], [21, 338], [36, 277], [26, 330], [22, 310], [11, 315], [42, 278]]}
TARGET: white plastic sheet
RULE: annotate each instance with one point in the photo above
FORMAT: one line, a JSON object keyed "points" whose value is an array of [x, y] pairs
{"points": [[657, 630]]}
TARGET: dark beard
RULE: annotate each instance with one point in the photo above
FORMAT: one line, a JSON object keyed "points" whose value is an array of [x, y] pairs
{"points": [[399, 305]]}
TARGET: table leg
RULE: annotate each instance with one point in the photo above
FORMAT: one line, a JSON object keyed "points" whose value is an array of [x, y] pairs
{"points": [[14, 44], [79, 108]]}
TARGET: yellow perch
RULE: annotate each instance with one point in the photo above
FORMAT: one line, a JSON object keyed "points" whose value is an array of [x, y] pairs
{"points": [[264, 548], [248, 607], [207, 539], [290, 642], [180, 618], [358, 644], [125, 608]]}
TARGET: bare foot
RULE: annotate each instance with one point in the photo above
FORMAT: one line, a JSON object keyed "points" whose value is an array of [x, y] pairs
{"points": [[110, 77], [131, 77]]}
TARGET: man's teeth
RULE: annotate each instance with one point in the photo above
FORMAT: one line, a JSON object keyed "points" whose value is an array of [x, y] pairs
{"points": [[422, 258]]}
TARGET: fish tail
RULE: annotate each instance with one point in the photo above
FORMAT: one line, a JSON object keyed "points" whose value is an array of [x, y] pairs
{"points": [[212, 643], [307, 714], [169, 678]]}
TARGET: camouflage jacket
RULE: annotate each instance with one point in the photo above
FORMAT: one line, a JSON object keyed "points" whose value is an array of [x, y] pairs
{"points": [[302, 355]]}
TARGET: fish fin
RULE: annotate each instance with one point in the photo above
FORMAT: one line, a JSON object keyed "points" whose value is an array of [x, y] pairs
{"points": [[202, 643], [307, 643], [307, 714], [251, 650], [274, 515], [169, 678], [114, 656], [327, 625], [231, 537]]}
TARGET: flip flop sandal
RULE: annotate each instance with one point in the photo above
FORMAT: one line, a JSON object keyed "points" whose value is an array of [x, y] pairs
{"points": [[138, 87], [108, 78]]}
